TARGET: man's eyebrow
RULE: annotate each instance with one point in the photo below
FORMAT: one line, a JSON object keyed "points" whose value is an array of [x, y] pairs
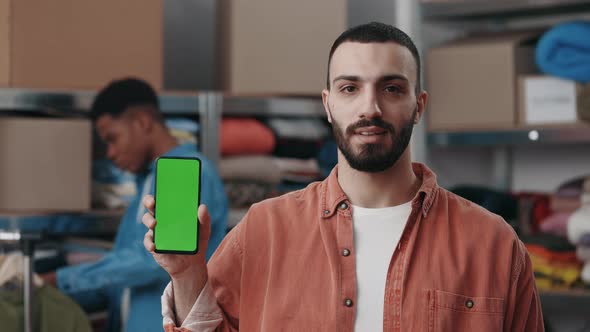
{"points": [[385, 78], [346, 78], [393, 77]]}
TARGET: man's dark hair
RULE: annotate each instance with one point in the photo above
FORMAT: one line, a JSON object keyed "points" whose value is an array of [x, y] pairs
{"points": [[116, 97], [376, 32]]}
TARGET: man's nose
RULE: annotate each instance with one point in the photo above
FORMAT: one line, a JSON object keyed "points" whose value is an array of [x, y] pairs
{"points": [[370, 108]]}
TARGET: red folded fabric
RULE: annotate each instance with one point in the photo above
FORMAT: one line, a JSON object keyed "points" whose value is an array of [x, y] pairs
{"points": [[240, 136], [565, 258]]}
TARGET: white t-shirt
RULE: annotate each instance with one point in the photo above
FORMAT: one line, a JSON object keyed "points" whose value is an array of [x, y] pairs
{"points": [[376, 235]]}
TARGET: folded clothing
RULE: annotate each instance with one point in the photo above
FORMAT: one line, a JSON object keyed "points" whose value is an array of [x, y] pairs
{"points": [[245, 136], [554, 257], [564, 51], [584, 240], [533, 208], [184, 130], [243, 194], [583, 253], [111, 186], [556, 224], [250, 168], [548, 241], [565, 275], [494, 201], [565, 204], [268, 169], [572, 188], [303, 129], [298, 170], [579, 224], [183, 124], [585, 275]]}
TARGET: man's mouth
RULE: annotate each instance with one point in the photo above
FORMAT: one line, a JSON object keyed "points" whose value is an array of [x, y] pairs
{"points": [[370, 131]]}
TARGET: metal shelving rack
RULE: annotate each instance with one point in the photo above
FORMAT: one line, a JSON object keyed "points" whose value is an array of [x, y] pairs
{"points": [[502, 15], [578, 134], [272, 106], [206, 106]]}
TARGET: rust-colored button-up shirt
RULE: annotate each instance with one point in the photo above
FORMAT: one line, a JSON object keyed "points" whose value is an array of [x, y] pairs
{"points": [[457, 268]]}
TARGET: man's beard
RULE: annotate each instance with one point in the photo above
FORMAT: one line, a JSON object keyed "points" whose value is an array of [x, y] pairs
{"points": [[373, 157]]}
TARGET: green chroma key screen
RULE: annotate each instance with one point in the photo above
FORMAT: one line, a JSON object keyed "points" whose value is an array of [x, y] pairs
{"points": [[177, 194]]}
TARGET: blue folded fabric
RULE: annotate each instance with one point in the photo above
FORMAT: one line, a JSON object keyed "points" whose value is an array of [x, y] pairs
{"points": [[564, 51]]}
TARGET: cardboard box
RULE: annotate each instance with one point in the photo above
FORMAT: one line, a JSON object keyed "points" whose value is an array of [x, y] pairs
{"points": [[277, 47], [473, 82], [546, 100], [45, 164], [79, 44]]}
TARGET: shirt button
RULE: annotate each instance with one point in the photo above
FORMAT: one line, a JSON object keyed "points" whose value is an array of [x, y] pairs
{"points": [[345, 252], [326, 212], [343, 206], [348, 303], [469, 304]]}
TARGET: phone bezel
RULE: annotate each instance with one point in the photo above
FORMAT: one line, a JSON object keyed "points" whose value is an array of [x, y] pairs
{"points": [[180, 252]]}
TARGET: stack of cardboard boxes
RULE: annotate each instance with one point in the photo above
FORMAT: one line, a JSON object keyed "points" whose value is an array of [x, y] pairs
{"points": [[492, 82]]}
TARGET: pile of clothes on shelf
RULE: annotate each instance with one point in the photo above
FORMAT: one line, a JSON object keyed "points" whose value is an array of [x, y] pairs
{"points": [[559, 250], [555, 229], [266, 158]]}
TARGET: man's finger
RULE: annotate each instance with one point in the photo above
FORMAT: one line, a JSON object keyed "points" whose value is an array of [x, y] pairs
{"points": [[204, 218], [148, 220], [149, 202], [148, 241]]}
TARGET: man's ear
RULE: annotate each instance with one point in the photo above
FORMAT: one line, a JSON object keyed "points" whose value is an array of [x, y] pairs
{"points": [[325, 101], [421, 101], [143, 118]]}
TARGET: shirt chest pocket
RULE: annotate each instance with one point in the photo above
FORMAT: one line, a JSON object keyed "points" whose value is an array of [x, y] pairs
{"points": [[455, 312]]}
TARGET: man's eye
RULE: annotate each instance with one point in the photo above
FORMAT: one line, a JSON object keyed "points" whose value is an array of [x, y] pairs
{"points": [[392, 89], [348, 89]]}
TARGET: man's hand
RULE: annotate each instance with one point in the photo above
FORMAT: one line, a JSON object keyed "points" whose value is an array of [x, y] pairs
{"points": [[49, 278], [188, 272]]}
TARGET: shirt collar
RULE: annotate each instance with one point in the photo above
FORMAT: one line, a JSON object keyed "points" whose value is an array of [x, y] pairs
{"points": [[333, 195]]}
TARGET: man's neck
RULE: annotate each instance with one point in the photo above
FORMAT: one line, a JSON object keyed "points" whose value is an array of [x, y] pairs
{"points": [[164, 143], [394, 186]]}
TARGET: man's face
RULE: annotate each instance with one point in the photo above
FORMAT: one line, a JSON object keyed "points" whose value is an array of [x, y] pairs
{"points": [[123, 137], [372, 103]]}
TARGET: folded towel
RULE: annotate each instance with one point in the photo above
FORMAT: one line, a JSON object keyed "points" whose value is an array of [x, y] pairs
{"points": [[564, 51]]}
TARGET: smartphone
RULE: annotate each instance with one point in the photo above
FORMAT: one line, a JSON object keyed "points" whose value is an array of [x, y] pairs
{"points": [[178, 194]]}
